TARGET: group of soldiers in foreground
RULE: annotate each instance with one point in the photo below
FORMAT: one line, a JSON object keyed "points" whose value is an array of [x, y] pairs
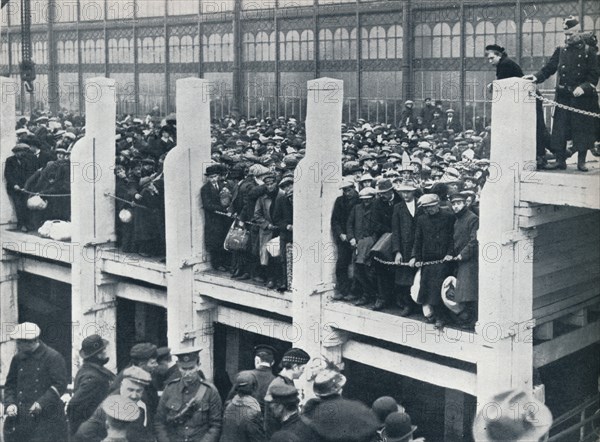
{"points": [[156, 399]]}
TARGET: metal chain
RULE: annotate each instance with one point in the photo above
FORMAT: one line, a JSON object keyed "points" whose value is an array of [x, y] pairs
{"points": [[405, 264], [564, 106]]}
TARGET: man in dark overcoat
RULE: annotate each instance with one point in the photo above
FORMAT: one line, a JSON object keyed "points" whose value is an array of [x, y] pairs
{"points": [[466, 253], [339, 220], [92, 382], [403, 238], [36, 380], [215, 225], [577, 73], [190, 408], [17, 170], [433, 242], [508, 68]]}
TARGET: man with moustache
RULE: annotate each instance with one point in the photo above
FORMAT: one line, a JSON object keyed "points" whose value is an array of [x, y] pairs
{"points": [[190, 408]]}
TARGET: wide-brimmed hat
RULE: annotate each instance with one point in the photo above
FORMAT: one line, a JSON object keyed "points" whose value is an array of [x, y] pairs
{"points": [[92, 345], [384, 185], [366, 193], [515, 415], [328, 382]]}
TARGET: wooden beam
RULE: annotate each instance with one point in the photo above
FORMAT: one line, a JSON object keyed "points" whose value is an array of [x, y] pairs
{"points": [[410, 366], [138, 293], [590, 304], [531, 215], [262, 325], [563, 189], [46, 269], [578, 318], [544, 331], [547, 352], [27, 244], [135, 270], [456, 344], [227, 290]]}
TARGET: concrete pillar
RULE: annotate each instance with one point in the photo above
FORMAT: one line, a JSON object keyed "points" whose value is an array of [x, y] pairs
{"points": [[8, 264], [505, 278], [92, 213], [189, 324], [316, 187], [8, 96]]}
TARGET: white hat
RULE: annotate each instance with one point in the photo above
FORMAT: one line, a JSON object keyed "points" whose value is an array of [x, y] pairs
{"points": [[25, 331]]}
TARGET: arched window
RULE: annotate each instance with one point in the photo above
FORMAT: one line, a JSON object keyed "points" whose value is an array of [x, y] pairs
{"points": [[124, 51], [307, 41], [100, 58], [227, 47], [441, 41], [484, 32], [553, 35], [159, 50], [292, 46], [263, 47], [326, 44], [89, 52], [174, 53], [248, 43], [456, 39], [341, 44], [353, 44], [4, 55], [533, 38], [469, 40], [394, 42], [113, 54], [187, 49], [506, 35], [69, 52], [195, 49], [377, 47], [204, 48], [146, 54], [422, 41]]}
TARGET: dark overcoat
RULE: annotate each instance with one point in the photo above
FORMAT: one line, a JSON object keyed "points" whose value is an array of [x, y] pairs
{"points": [[465, 245], [575, 65], [403, 239], [91, 387], [433, 241], [39, 377], [339, 216], [215, 225], [242, 421]]}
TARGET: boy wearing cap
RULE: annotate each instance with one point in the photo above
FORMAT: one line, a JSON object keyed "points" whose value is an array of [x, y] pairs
{"points": [[36, 380], [132, 386], [190, 407], [576, 68], [92, 382]]}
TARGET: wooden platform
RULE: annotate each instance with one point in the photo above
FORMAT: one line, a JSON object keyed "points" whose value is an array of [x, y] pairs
{"points": [[564, 187], [133, 266]]}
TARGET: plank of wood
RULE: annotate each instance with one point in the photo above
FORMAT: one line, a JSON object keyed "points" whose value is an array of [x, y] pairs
{"points": [[586, 222], [581, 192], [538, 215], [46, 269], [578, 318], [147, 295], [134, 271], [46, 248], [252, 322], [566, 278], [413, 367], [544, 331], [559, 263], [548, 352], [574, 293], [590, 304]]}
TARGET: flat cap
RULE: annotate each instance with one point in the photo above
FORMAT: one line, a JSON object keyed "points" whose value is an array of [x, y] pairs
{"points": [[284, 394], [143, 351], [163, 353], [26, 331], [429, 199], [137, 374], [121, 408]]}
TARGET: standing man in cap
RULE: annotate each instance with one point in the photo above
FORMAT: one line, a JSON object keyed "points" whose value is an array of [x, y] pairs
{"points": [[427, 112], [242, 419], [190, 408], [120, 414], [215, 225], [283, 407], [433, 242], [144, 356], [403, 237], [132, 387], [293, 365], [18, 168], [36, 380], [517, 416], [576, 66], [167, 369], [339, 219], [92, 382], [452, 122], [508, 68], [407, 118]]}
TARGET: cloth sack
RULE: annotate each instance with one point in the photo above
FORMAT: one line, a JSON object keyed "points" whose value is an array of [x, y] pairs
{"points": [[60, 231], [382, 249], [125, 216], [36, 202], [237, 238], [44, 230]]}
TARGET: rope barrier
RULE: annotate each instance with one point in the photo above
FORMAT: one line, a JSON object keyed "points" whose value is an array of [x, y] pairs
{"points": [[563, 106], [46, 195], [131, 203], [406, 264]]}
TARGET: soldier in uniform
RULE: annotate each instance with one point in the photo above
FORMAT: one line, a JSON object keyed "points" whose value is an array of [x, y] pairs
{"points": [[190, 408], [36, 380], [576, 66]]}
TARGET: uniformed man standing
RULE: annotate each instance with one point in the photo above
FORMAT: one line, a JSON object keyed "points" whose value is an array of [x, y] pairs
{"points": [[37, 378], [190, 408], [576, 68]]}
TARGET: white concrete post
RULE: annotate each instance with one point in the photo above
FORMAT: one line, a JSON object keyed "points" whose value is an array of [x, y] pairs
{"points": [[505, 277], [184, 175], [8, 95], [316, 187], [93, 214], [8, 265]]}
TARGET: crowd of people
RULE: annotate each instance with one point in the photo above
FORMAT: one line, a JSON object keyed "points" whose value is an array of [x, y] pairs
{"points": [[164, 397]]}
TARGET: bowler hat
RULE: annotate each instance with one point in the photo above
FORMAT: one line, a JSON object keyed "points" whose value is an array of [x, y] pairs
{"points": [[384, 406], [92, 345], [398, 427]]}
